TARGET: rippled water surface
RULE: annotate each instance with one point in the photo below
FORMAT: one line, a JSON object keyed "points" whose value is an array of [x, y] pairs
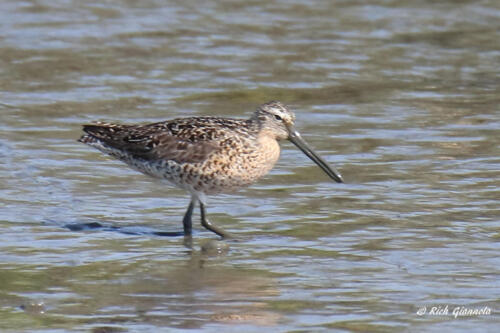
{"points": [[401, 96]]}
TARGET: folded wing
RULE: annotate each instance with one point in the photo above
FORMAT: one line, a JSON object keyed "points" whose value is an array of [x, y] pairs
{"points": [[150, 143]]}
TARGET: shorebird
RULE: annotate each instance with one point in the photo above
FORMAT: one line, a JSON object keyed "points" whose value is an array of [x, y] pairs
{"points": [[205, 155]]}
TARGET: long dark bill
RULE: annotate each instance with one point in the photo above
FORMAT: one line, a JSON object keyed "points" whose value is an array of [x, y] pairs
{"points": [[297, 140]]}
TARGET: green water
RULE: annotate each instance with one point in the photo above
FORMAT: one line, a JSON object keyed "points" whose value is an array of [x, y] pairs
{"points": [[401, 96]]}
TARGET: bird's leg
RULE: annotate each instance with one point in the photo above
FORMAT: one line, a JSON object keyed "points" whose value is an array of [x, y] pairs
{"points": [[187, 220], [209, 225]]}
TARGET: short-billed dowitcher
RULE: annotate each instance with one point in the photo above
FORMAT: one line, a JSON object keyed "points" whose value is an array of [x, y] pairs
{"points": [[205, 155]]}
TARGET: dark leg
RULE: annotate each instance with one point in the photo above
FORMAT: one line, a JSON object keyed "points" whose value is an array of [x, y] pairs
{"points": [[209, 225], [187, 221]]}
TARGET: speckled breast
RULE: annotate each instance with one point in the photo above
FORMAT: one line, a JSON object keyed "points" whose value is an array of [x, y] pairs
{"points": [[237, 165]]}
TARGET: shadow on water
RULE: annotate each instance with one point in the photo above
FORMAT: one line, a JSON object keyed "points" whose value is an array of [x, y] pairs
{"points": [[97, 226], [210, 247]]}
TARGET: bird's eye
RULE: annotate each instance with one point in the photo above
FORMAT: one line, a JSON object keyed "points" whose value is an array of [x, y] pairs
{"points": [[277, 117]]}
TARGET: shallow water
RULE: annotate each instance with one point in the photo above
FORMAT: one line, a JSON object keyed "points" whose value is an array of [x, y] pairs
{"points": [[401, 96]]}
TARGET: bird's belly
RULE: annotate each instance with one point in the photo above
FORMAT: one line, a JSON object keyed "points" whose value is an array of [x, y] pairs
{"points": [[226, 172], [223, 171]]}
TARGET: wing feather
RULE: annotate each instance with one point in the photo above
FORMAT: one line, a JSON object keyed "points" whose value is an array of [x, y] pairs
{"points": [[151, 142]]}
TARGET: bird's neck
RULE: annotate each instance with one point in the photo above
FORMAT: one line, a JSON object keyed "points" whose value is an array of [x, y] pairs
{"points": [[254, 125]]}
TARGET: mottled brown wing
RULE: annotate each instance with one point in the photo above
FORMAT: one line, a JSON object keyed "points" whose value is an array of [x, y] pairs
{"points": [[150, 144], [168, 147]]}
